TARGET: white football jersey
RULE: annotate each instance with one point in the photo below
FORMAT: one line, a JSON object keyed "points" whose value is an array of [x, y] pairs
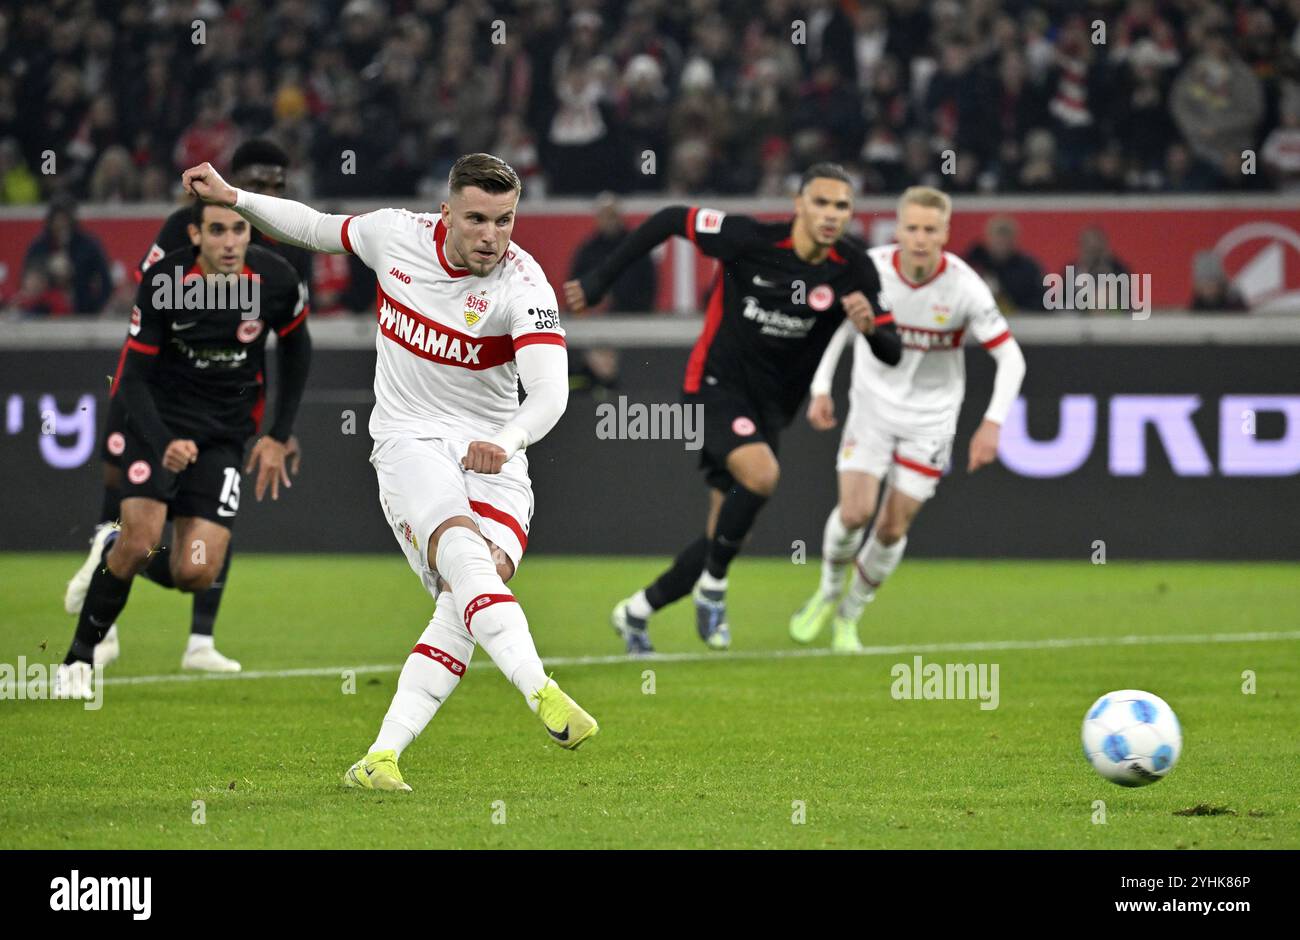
{"points": [[923, 393], [447, 338]]}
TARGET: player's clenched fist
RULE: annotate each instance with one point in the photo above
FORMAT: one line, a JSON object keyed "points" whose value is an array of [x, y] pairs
{"points": [[483, 457], [821, 412], [858, 309], [574, 296], [179, 455], [206, 183]]}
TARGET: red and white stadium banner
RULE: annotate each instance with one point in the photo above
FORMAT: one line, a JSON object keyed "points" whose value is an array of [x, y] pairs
{"points": [[1257, 238]]}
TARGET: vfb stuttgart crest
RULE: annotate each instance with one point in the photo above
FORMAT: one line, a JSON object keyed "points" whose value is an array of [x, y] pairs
{"points": [[476, 306]]}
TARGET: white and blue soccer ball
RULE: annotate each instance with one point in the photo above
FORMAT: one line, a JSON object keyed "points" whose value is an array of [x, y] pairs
{"points": [[1132, 738]]}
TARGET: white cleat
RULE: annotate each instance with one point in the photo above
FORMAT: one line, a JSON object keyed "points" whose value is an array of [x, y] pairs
{"points": [[73, 681], [107, 650], [207, 659], [75, 595]]}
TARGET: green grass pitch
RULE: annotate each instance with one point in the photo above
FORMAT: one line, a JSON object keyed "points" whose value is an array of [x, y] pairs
{"points": [[724, 753]]}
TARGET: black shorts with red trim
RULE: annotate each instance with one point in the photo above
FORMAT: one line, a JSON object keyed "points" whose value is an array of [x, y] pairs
{"points": [[731, 420], [207, 488]]}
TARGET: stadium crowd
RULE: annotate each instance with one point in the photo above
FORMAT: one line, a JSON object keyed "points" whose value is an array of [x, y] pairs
{"points": [[712, 96]]}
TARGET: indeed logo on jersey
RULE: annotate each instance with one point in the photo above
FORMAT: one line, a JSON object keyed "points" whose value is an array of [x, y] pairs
{"points": [[927, 340], [431, 340], [776, 323]]}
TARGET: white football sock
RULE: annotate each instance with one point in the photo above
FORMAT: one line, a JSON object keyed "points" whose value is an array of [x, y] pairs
{"points": [[710, 583], [199, 641], [491, 613], [839, 544], [876, 562], [638, 606], [431, 674]]}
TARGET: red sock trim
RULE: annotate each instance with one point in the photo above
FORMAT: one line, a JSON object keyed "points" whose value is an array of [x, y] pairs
{"points": [[485, 600], [454, 665], [862, 572]]}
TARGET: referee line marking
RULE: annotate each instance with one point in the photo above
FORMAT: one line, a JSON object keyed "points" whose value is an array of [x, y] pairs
{"points": [[1191, 639]]}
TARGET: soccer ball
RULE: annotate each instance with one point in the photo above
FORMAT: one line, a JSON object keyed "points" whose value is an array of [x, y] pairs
{"points": [[1132, 738]]}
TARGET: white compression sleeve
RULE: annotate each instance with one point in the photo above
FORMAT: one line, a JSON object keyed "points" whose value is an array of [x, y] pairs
{"points": [[292, 222], [825, 374], [544, 371], [1006, 383]]}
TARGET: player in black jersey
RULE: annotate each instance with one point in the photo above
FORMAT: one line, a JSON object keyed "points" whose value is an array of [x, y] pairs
{"points": [[782, 290], [257, 165], [193, 384]]}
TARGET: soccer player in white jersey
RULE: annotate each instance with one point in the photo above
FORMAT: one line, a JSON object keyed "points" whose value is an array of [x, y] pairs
{"points": [[902, 420], [464, 315]]}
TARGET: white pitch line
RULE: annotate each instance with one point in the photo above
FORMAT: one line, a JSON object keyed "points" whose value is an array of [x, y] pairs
{"points": [[749, 655]]}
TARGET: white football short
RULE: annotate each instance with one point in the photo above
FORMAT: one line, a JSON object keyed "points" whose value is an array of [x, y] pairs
{"points": [[913, 463], [422, 485]]}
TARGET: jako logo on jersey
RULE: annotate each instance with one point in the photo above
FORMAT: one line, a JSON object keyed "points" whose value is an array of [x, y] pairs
{"points": [[401, 276], [821, 297], [249, 330], [138, 472], [430, 340], [929, 340], [116, 443]]}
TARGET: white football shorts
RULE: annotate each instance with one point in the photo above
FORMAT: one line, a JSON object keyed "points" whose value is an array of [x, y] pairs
{"points": [[422, 485], [913, 463]]}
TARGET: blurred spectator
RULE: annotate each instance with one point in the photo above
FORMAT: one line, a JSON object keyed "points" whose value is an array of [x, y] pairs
{"points": [[115, 178], [634, 291], [582, 159], [1212, 292], [1078, 96], [1142, 119], [37, 295], [1015, 278], [18, 187], [210, 139], [1217, 103], [70, 258], [1038, 172], [1280, 155], [642, 111], [1095, 257]]}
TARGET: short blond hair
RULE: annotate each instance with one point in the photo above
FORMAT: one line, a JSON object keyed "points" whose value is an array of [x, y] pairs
{"points": [[928, 197]]}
